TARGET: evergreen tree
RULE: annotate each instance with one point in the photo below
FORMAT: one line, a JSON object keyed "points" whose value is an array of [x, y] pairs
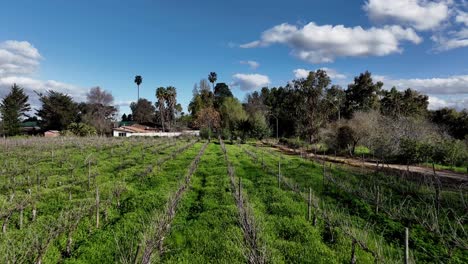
{"points": [[363, 94], [58, 111], [14, 106]]}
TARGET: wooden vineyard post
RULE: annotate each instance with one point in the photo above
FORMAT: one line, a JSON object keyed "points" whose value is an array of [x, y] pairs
{"points": [[362, 164], [406, 245], [89, 174], [5, 223], [323, 177], [437, 191], [97, 207], [377, 200], [256, 149], [21, 218], [135, 258], [69, 244], [34, 212], [279, 173], [240, 189], [263, 161], [309, 204], [353, 252]]}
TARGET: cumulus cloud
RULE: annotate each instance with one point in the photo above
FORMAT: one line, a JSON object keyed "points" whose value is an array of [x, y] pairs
{"points": [[31, 86], [321, 44], [449, 91], [462, 17], [420, 14], [446, 18], [18, 57], [301, 73], [457, 84], [252, 64], [453, 37], [332, 73], [458, 103], [452, 41], [248, 82], [18, 61]]}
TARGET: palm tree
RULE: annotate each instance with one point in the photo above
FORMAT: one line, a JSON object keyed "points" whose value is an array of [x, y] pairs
{"points": [[212, 77], [161, 95], [171, 101], [138, 81]]}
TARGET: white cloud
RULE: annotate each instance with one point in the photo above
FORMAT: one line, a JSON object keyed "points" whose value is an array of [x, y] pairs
{"points": [[462, 17], [420, 14], [253, 64], [320, 44], [458, 103], [457, 84], [31, 86], [450, 91], [124, 103], [301, 73], [20, 59], [453, 41], [455, 35], [23, 48], [436, 103], [332, 73], [248, 82], [441, 16]]}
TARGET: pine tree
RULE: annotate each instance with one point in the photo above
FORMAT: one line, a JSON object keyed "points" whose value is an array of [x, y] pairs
{"points": [[14, 106]]}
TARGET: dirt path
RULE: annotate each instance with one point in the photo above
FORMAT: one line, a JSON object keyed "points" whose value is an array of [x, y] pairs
{"points": [[449, 175]]}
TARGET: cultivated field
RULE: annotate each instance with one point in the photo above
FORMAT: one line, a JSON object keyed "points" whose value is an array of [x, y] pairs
{"points": [[145, 200]]}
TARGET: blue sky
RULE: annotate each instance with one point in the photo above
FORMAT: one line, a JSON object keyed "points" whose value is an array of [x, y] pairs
{"points": [[72, 46]]}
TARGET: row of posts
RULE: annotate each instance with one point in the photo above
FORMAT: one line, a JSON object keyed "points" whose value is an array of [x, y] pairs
{"points": [[314, 220]]}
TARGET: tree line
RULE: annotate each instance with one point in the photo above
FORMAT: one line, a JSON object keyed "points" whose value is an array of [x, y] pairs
{"points": [[391, 123], [95, 116], [58, 111]]}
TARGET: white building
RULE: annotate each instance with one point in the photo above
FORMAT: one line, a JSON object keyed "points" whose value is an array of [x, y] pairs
{"points": [[142, 131]]}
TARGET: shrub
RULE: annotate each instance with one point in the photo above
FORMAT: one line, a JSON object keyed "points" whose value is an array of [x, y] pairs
{"points": [[206, 133], [293, 142], [80, 130], [446, 152], [345, 138]]}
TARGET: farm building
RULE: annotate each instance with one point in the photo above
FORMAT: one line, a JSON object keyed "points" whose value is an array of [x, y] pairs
{"points": [[30, 128], [144, 131], [52, 133]]}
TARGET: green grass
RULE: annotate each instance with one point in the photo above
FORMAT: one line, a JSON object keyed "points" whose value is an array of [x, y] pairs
{"points": [[205, 229], [426, 245], [459, 169], [282, 216], [44, 173], [362, 150], [119, 165]]}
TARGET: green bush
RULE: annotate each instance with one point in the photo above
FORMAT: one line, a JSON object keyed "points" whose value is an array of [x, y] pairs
{"points": [[293, 142], [447, 152], [80, 130], [450, 152], [206, 133], [345, 138]]}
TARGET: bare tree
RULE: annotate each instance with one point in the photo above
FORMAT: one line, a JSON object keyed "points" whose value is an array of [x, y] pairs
{"points": [[99, 111]]}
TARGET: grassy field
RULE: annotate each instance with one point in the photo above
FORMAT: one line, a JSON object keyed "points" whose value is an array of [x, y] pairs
{"points": [[108, 200]]}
